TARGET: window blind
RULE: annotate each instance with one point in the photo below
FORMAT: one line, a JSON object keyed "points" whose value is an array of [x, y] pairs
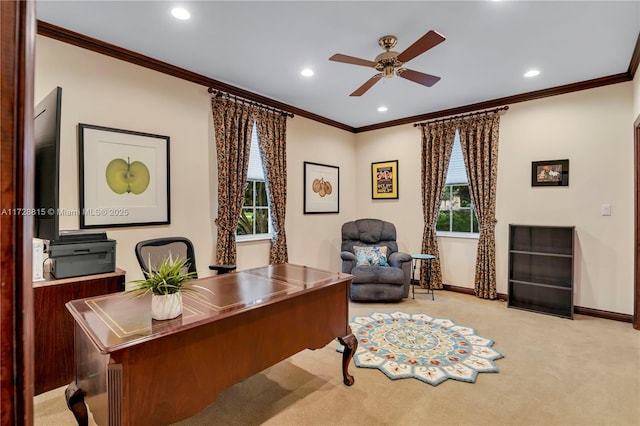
{"points": [[256, 171], [456, 173]]}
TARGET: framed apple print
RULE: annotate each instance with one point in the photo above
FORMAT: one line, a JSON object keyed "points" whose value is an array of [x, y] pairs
{"points": [[124, 177]]}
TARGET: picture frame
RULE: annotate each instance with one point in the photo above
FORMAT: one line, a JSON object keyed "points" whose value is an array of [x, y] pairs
{"points": [[550, 173], [321, 188], [384, 180], [123, 178]]}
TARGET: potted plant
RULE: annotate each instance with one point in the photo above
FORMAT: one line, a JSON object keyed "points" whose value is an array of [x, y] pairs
{"points": [[166, 284]]}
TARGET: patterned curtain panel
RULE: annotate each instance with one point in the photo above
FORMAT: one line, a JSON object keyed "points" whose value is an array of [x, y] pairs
{"points": [[272, 128], [437, 143], [479, 141], [233, 123]]}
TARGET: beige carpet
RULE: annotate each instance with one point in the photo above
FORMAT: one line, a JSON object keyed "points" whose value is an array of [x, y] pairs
{"points": [[554, 372]]}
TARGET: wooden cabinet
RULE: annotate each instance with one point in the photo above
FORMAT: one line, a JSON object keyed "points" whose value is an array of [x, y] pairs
{"points": [[541, 269], [53, 334]]}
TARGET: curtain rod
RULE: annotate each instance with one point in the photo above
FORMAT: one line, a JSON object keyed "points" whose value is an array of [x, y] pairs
{"points": [[219, 93], [455, 117]]}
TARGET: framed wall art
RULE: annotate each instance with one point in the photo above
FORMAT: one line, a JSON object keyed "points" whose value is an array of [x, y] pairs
{"points": [[321, 188], [384, 180], [124, 177], [550, 173]]}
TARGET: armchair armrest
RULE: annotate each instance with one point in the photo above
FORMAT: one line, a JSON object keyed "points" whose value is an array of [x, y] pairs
{"points": [[347, 255], [403, 261], [349, 261], [398, 258]]}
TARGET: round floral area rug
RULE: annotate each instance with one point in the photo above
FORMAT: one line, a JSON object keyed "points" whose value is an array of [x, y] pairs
{"points": [[430, 349]]}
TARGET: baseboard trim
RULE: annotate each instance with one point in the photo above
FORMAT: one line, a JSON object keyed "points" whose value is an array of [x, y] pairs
{"points": [[465, 290], [598, 313], [615, 316]]}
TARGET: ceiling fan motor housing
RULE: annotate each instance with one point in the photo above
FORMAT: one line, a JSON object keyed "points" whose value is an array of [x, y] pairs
{"points": [[387, 62]]}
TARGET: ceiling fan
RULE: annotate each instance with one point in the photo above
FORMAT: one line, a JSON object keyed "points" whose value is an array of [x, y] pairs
{"points": [[389, 62]]}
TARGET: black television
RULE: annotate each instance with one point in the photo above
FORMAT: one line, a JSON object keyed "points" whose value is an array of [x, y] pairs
{"points": [[47, 165]]}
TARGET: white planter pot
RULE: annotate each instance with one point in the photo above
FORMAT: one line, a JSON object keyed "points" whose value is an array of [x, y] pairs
{"points": [[166, 306]]}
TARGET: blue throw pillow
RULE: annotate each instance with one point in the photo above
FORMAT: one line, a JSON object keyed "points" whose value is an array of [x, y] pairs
{"points": [[370, 256]]}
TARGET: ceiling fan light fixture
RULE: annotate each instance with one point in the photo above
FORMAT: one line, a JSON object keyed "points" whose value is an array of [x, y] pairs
{"points": [[307, 72], [382, 108], [531, 73], [387, 71]]}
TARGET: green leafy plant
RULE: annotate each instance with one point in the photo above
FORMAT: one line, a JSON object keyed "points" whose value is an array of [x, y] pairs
{"points": [[168, 278]]}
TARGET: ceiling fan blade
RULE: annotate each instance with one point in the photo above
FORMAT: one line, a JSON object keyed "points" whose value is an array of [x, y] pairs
{"points": [[419, 77], [366, 86], [352, 60], [424, 43]]}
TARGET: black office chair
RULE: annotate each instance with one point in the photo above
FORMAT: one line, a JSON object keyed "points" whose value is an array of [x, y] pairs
{"points": [[158, 249]]}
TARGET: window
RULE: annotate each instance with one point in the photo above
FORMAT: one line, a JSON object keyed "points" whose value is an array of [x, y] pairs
{"points": [[456, 210], [255, 218]]}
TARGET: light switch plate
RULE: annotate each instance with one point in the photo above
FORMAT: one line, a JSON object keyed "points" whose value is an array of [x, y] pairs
{"points": [[605, 210]]}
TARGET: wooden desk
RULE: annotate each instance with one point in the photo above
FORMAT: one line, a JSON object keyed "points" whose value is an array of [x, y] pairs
{"points": [[133, 370], [53, 331]]}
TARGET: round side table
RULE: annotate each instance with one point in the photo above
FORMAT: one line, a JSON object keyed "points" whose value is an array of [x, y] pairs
{"points": [[424, 258]]}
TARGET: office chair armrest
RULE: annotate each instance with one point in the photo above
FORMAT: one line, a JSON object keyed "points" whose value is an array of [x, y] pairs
{"points": [[222, 269]]}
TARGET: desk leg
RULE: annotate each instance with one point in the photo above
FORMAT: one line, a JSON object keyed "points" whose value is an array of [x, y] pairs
{"points": [[350, 344], [75, 401]]}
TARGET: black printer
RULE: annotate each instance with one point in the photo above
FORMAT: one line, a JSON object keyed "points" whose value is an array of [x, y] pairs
{"points": [[77, 253]]}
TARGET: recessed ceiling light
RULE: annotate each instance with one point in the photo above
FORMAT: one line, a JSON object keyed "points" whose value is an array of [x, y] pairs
{"points": [[382, 108], [180, 13], [531, 73], [307, 72]]}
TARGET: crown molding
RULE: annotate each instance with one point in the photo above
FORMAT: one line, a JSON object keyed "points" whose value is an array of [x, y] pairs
{"points": [[80, 40], [529, 96], [635, 60], [67, 36]]}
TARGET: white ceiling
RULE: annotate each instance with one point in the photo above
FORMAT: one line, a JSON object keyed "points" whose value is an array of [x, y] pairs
{"points": [[262, 46]]}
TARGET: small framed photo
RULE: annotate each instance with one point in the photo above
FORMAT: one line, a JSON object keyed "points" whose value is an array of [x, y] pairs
{"points": [[124, 178], [384, 180], [321, 188], [550, 173]]}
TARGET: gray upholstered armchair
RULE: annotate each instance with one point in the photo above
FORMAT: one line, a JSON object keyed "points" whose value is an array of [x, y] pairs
{"points": [[370, 253]]}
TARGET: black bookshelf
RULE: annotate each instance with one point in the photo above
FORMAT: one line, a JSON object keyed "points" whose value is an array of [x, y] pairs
{"points": [[541, 269]]}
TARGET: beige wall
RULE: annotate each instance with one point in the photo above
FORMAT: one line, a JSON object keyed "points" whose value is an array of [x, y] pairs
{"points": [[314, 239], [104, 91], [591, 128]]}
